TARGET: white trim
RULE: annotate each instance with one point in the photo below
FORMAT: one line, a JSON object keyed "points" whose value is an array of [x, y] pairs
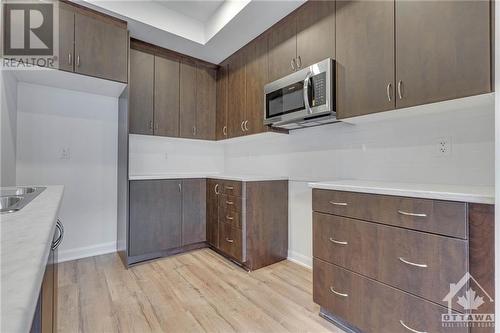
{"points": [[300, 259], [87, 251]]}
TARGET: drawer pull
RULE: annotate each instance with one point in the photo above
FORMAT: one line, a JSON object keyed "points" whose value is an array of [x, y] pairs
{"points": [[230, 188], [229, 240], [230, 218], [409, 328], [412, 263], [229, 202], [339, 203], [337, 293], [402, 212], [337, 242]]}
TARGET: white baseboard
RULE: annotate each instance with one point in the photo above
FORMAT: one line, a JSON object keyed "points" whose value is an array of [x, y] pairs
{"points": [[87, 251], [300, 259]]}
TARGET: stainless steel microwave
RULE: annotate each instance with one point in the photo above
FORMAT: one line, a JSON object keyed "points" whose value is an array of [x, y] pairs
{"points": [[302, 99]]}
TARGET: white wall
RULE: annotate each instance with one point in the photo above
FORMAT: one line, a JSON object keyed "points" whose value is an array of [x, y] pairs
{"points": [[50, 119], [151, 155], [8, 128], [403, 150]]}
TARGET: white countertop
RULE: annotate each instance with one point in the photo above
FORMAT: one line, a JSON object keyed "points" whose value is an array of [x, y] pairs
{"points": [[242, 178], [462, 193], [26, 237]]}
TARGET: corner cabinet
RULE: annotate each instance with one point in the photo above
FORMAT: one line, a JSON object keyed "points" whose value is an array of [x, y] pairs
{"points": [[419, 52], [248, 221], [165, 217], [92, 43]]}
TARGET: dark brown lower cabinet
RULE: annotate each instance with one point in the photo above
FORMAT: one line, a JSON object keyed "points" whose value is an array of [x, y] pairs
{"points": [[45, 318], [165, 217], [394, 264], [248, 221]]}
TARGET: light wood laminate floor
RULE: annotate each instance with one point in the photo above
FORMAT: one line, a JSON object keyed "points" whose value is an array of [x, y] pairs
{"points": [[199, 291]]}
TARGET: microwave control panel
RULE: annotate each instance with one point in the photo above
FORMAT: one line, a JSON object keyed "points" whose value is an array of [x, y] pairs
{"points": [[318, 89]]}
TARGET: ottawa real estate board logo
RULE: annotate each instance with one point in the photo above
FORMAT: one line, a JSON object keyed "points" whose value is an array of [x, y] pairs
{"points": [[476, 303], [29, 35]]}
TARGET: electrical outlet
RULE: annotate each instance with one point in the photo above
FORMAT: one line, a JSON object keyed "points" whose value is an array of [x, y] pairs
{"points": [[443, 147], [166, 156], [65, 153]]}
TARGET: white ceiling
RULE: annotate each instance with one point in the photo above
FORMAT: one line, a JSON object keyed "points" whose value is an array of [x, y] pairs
{"points": [[198, 10], [209, 30]]}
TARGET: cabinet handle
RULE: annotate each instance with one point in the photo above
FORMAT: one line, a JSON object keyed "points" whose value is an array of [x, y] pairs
{"points": [[229, 240], [69, 59], [229, 202], [230, 218], [412, 263], [400, 94], [224, 130], [151, 125], [78, 61], [337, 293], [389, 88], [216, 188], [180, 187], [194, 130], [409, 328], [292, 63], [156, 127], [243, 126], [246, 125], [337, 242], [230, 188], [299, 62], [59, 239], [338, 203], [402, 212]]}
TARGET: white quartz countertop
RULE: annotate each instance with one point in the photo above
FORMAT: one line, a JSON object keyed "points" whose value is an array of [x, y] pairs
{"points": [[462, 193], [242, 178], [26, 238]]}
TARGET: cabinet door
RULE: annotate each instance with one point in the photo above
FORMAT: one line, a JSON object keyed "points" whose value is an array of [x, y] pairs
{"points": [[66, 37], [100, 48], [256, 78], [365, 57], [194, 210], [188, 99], [155, 216], [166, 97], [236, 99], [141, 92], [283, 48], [47, 296], [315, 32], [221, 103], [213, 189], [205, 102], [442, 50]]}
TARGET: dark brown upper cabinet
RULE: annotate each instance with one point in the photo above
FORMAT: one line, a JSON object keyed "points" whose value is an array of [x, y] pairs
{"points": [[188, 99], [236, 99], [166, 97], [101, 48], [301, 39], [364, 57], [92, 43], [442, 50], [256, 77], [221, 102], [315, 32], [141, 92], [205, 102]]}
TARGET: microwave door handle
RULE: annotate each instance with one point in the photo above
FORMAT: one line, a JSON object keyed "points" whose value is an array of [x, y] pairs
{"points": [[306, 93]]}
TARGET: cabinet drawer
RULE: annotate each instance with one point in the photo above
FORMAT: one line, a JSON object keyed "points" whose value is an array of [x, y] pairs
{"points": [[440, 217], [230, 241], [230, 187], [372, 306], [422, 264], [229, 203], [231, 217]]}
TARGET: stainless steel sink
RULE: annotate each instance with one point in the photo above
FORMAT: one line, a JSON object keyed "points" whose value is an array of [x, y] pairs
{"points": [[13, 199]]}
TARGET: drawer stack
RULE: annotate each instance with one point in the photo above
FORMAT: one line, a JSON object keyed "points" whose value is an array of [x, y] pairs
{"points": [[230, 219], [385, 263]]}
